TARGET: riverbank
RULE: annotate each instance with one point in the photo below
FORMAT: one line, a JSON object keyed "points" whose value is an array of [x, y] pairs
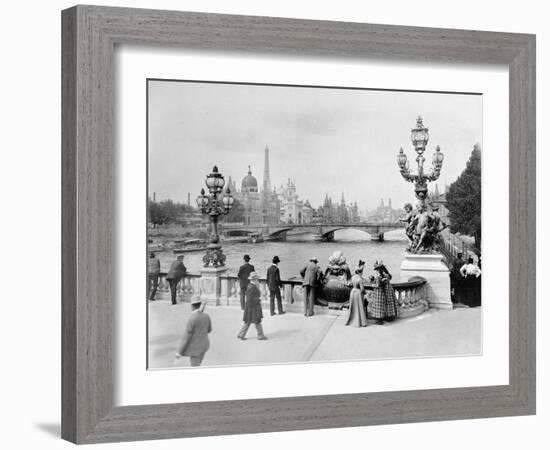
{"points": [[293, 338]]}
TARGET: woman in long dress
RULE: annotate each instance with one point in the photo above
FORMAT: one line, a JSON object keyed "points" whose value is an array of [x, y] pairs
{"points": [[384, 305], [356, 314]]}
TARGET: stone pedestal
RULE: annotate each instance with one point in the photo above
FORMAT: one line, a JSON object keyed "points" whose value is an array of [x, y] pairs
{"points": [[433, 269], [211, 284]]}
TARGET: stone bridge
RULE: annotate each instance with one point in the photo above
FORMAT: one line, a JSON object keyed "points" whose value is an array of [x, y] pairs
{"points": [[321, 232]]}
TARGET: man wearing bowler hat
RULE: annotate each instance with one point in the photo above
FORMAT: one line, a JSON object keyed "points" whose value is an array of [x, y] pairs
{"points": [[195, 342], [244, 272], [274, 284]]}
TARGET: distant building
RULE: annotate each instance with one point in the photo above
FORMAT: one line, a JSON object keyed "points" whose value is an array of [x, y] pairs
{"points": [[435, 198], [353, 212], [260, 208], [332, 212], [293, 210], [385, 213]]}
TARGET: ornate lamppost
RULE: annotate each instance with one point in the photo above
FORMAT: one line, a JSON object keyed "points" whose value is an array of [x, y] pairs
{"points": [[215, 204], [420, 137], [422, 258]]}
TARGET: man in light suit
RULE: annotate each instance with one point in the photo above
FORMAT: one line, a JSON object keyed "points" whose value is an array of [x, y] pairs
{"points": [[195, 342], [312, 276], [175, 274]]}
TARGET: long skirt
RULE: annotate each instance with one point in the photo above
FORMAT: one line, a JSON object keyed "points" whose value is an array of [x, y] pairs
{"points": [[472, 289], [384, 304], [356, 315]]}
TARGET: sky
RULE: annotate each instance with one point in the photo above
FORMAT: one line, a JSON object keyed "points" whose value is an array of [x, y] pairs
{"points": [[328, 141]]}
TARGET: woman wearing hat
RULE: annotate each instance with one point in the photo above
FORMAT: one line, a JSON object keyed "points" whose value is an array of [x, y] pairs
{"points": [[356, 315], [252, 309], [384, 305]]}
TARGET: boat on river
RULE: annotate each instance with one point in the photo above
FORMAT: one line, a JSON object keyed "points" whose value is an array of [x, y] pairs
{"points": [[189, 245], [255, 238]]}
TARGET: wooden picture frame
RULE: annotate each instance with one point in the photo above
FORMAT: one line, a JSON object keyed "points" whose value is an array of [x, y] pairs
{"points": [[89, 37]]}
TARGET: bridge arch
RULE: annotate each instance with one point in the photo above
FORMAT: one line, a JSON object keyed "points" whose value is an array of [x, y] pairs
{"points": [[238, 232], [375, 233]]}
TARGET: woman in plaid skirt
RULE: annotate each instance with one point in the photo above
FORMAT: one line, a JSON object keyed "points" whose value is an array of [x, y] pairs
{"points": [[383, 305]]}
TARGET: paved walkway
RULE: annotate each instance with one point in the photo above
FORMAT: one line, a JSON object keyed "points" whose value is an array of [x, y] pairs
{"points": [[295, 338]]}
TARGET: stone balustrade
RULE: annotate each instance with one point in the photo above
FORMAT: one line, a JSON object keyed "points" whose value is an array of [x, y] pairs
{"points": [[187, 287], [230, 291], [410, 295]]}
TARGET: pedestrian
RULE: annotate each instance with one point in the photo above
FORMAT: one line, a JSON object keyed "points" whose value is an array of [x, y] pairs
{"points": [[253, 309], [274, 285], [471, 273], [457, 280], [358, 278], [195, 342], [153, 274], [312, 276], [175, 274], [384, 305], [356, 314], [244, 272]]}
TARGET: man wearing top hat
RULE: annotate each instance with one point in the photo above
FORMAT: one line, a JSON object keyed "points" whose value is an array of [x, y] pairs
{"points": [[274, 284], [195, 342], [175, 274], [312, 276], [244, 272]]}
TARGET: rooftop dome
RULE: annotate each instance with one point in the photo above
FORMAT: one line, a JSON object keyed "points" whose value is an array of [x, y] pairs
{"points": [[249, 182]]}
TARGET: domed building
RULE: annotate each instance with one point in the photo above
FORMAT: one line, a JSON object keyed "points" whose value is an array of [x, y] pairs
{"points": [[249, 183], [260, 208]]}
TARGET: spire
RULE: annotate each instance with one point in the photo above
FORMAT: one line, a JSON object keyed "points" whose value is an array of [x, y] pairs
{"points": [[389, 202], [343, 200], [436, 191], [267, 178]]}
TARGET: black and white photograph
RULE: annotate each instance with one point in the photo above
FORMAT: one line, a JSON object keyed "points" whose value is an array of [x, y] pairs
{"points": [[303, 224]]}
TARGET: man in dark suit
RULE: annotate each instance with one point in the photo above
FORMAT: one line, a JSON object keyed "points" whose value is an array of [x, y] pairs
{"points": [[195, 342], [312, 277], [175, 274], [244, 272], [253, 309], [274, 284]]}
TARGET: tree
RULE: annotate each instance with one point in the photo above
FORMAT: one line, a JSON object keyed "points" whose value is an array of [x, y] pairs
{"points": [[168, 212], [464, 199], [236, 214]]}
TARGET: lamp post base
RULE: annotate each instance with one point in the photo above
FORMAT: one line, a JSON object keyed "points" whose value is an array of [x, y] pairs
{"points": [[211, 284], [432, 268], [214, 256]]}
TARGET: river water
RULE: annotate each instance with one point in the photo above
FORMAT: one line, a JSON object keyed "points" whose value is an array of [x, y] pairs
{"points": [[296, 251]]}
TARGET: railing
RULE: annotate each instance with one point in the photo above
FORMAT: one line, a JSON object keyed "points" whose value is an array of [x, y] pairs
{"points": [[450, 246], [410, 295], [231, 289], [186, 288]]}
